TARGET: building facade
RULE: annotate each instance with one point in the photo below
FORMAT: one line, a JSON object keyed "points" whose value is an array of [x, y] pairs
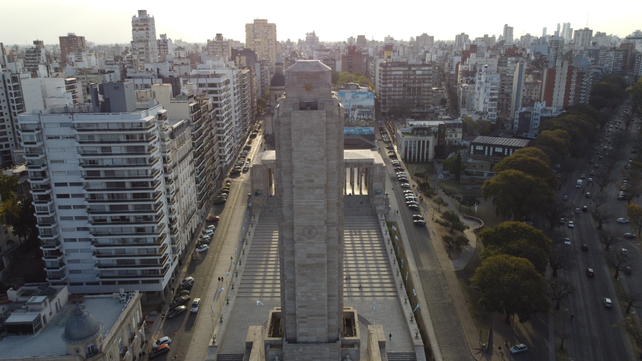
{"points": [[404, 88], [71, 43], [260, 36], [144, 44]]}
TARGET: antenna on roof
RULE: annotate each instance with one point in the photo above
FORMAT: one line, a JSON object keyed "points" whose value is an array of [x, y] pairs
{"points": [[587, 17]]}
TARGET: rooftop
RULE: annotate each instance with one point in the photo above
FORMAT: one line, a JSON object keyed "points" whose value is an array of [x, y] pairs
{"points": [[508, 142]]}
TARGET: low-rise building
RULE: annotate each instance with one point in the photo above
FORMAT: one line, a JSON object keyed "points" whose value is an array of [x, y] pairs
{"points": [[494, 149], [421, 140]]}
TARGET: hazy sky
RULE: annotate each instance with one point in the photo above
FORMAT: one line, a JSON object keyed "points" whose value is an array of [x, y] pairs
{"points": [[109, 21]]}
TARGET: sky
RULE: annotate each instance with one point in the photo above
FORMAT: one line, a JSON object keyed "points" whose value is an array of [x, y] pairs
{"points": [[109, 21]]}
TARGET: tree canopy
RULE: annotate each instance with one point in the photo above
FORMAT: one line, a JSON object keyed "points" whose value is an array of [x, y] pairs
{"points": [[511, 285], [516, 194], [451, 220], [530, 165], [517, 239], [8, 186], [340, 78]]}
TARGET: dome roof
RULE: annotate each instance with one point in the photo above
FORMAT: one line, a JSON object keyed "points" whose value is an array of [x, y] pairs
{"points": [[81, 326]]}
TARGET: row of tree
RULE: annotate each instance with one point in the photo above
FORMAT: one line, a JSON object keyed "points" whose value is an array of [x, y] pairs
{"points": [[14, 213]]}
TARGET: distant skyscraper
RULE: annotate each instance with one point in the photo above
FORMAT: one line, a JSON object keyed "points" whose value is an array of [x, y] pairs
{"points": [[144, 45], [71, 43], [260, 36], [544, 32], [582, 38], [508, 34], [3, 57], [557, 32]]}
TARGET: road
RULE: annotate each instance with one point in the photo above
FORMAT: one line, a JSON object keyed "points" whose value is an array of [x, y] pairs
{"points": [[592, 335], [192, 331]]}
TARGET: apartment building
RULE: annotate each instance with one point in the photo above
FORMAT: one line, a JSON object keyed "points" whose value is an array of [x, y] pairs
{"points": [[102, 199], [582, 38], [568, 83], [35, 59], [260, 36], [165, 48], [220, 47], [144, 44], [69, 44], [486, 93], [404, 88]]}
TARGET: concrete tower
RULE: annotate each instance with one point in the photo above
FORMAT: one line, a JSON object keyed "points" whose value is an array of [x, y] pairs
{"points": [[309, 185]]}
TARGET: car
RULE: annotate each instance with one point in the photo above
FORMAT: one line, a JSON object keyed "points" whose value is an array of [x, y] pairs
{"points": [[417, 216], [590, 272], [413, 206], [176, 311], [186, 284], [584, 247], [205, 240], [590, 180], [403, 179], [246, 168], [607, 302], [419, 222], [567, 241], [405, 185], [165, 340], [577, 210], [584, 209], [195, 305], [239, 164], [629, 235], [208, 232], [583, 176], [518, 348], [565, 198], [161, 350], [178, 301], [411, 198], [627, 166], [396, 163], [628, 270], [571, 224], [562, 221], [202, 248], [588, 194], [212, 219], [183, 293], [411, 202], [408, 191], [597, 165], [220, 200], [211, 227], [622, 220], [624, 251]]}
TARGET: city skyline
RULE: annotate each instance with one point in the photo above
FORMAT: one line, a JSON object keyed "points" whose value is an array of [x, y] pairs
{"points": [[109, 23]]}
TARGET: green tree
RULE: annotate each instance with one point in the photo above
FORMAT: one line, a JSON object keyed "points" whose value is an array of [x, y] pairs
{"points": [[24, 226], [635, 215], [529, 165], [511, 285], [9, 211], [448, 240], [470, 126], [556, 144], [461, 241], [636, 94], [451, 220], [516, 194], [535, 153], [8, 186], [517, 239]]}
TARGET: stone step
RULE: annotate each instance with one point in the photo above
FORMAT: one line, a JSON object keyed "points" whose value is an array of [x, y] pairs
{"points": [[401, 356]]}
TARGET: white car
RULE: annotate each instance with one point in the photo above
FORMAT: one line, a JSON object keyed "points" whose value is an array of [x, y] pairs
{"points": [[518, 348], [195, 305], [211, 227], [162, 341], [208, 232], [202, 248], [624, 251], [567, 241], [571, 224], [622, 220], [607, 302]]}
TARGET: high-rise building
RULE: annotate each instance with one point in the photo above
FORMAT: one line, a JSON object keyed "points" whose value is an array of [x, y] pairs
{"points": [[568, 83], [260, 36], [35, 59], [486, 93], [220, 47], [582, 38], [461, 40], [144, 44], [3, 57], [518, 89], [404, 88], [165, 47], [105, 205], [544, 32], [508, 34], [424, 41], [71, 43], [353, 61]]}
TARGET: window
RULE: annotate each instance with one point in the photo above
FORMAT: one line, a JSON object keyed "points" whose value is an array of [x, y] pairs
{"points": [[64, 207], [62, 196], [499, 149], [66, 218], [78, 195], [63, 184]]}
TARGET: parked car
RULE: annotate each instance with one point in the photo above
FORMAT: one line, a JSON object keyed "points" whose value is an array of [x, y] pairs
{"points": [[161, 350], [165, 340], [176, 311], [212, 219], [196, 304], [571, 224], [629, 235], [405, 185], [183, 293], [419, 222], [567, 241], [186, 284], [179, 301], [518, 348], [417, 216], [202, 248], [622, 220]]}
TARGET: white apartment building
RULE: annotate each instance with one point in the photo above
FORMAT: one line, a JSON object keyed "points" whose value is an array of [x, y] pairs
{"points": [[103, 204], [144, 44], [486, 93]]}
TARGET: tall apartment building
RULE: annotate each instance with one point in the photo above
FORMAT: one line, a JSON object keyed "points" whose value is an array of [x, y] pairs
{"points": [[518, 88], [568, 83], [3, 57], [260, 36], [486, 93], [461, 40], [424, 41], [353, 61], [508, 34], [404, 88], [555, 51], [102, 194], [144, 44], [165, 47], [506, 69], [362, 42], [35, 59], [582, 38], [71, 43], [220, 47]]}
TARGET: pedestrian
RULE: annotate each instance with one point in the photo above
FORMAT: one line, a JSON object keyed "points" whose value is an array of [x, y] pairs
{"points": [[572, 317], [219, 279], [390, 337], [359, 285]]}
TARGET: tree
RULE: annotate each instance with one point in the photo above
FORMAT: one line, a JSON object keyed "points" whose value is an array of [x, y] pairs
{"points": [[457, 167], [601, 216], [530, 165], [511, 285], [634, 212], [609, 237], [556, 144], [535, 153], [556, 210], [616, 260], [9, 210], [8, 186], [630, 325], [448, 240], [636, 94], [24, 226], [516, 194], [559, 289], [472, 127], [451, 220], [517, 239], [561, 258], [461, 241], [630, 298], [602, 178]]}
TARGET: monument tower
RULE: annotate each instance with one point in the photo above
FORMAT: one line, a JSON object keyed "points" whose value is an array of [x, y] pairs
{"points": [[309, 181]]}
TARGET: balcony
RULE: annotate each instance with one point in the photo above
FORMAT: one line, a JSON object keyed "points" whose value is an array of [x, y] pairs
{"points": [[34, 156], [56, 267], [139, 127], [41, 166], [49, 245], [161, 274], [39, 179], [47, 225], [52, 255], [56, 277], [106, 254], [154, 197], [161, 263], [96, 166], [141, 141]]}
